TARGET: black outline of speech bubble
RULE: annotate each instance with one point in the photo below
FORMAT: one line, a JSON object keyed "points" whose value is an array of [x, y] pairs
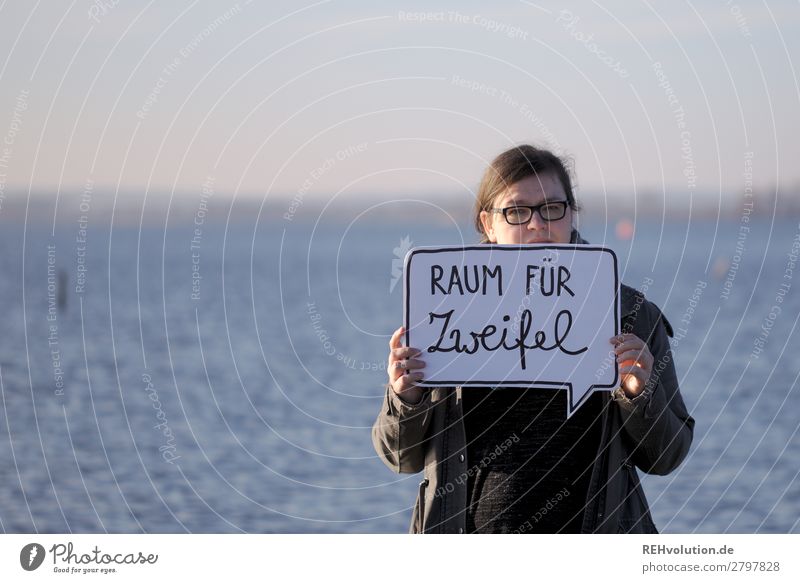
{"points": [[516, 248]]}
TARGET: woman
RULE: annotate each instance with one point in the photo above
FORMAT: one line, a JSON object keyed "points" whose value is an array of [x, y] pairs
{"points": [[508, 460]]}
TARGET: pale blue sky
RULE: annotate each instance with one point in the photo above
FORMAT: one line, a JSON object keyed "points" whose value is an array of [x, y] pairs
{"points": [[259, 98]]}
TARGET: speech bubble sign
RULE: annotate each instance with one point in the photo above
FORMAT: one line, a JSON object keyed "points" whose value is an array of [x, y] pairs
{"points": [[514, 315]]}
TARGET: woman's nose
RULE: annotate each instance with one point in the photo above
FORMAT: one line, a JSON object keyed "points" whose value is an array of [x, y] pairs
{"points": [[537, 222]]}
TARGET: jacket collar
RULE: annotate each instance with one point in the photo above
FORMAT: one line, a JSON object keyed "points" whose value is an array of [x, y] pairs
{"points": [[575, 237]]}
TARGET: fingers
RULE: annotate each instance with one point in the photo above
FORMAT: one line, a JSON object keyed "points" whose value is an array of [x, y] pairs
{"points": [[623, 336], [644, 359], [631, 348], [401, 358], [634, 360], [395, 370], [626, 342], [397, 337], [395, 344], [406, 382], [404, 352], [633, 379], [631, 386], [411, 364], [402, 367]]}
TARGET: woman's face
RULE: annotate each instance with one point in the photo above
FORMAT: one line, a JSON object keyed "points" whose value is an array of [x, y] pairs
{"points": [[530, 191]]}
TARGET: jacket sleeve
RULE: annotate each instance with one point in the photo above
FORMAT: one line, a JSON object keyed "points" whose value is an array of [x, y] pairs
{"points": [[656, 421], [400, 432]]}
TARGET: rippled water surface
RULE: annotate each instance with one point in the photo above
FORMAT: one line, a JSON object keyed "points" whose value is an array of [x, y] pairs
{"points": [[248, 407]]}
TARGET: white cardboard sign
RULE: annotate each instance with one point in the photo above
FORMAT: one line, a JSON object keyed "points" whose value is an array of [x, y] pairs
{"points": [[516, 315]]}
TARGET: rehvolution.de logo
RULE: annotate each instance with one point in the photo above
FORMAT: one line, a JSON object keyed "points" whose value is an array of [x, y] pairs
{"points": [[31, 556]]}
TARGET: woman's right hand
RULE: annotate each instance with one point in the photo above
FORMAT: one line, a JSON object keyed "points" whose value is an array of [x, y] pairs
{"points": [[403, 369]]}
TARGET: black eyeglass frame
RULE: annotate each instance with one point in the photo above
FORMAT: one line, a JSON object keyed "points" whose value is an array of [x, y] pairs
{"points": [[534, 209]]}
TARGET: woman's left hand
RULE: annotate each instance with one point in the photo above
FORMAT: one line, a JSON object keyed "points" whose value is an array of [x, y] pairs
{"points": [[635, 362]]}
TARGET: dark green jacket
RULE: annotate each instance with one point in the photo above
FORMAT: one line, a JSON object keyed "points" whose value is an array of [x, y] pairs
{"points": [[651, 432]]}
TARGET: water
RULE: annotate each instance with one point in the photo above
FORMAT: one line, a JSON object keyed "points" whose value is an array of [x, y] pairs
{"points": [[249, 408]]}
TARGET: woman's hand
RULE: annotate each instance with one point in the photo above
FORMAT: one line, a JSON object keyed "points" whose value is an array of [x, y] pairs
{"points": [[635, 362], [401, 366]]}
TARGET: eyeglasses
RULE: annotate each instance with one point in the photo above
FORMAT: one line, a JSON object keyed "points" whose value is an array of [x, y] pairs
{"points": [[522, 215]]}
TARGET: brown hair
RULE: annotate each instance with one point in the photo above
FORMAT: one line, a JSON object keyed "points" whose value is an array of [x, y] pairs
{"points": [[514, 165]]}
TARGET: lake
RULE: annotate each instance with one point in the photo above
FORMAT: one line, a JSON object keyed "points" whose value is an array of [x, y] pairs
{"points": [[224, 378]]}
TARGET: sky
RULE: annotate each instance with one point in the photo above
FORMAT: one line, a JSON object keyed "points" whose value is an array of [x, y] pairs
{"points": [[307, 99]]}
